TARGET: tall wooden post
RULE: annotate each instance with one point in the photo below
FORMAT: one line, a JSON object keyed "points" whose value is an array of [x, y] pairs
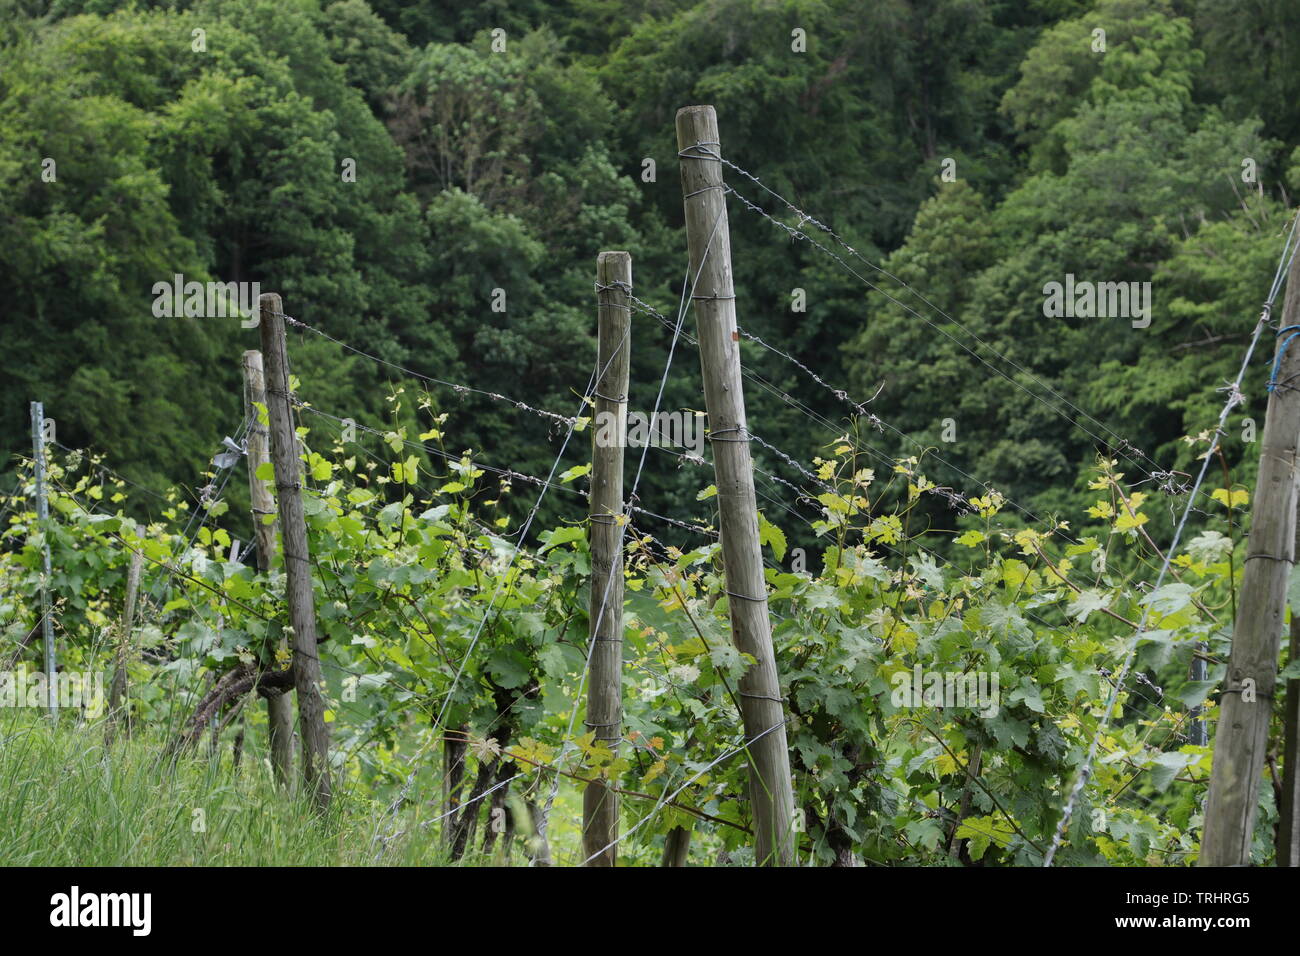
{"points": [[279, 709], [117, 690], [1246, 704], [605, 683], [43, 519], [1288, 827], [1287, 850], [709, 247], [297, 558]]}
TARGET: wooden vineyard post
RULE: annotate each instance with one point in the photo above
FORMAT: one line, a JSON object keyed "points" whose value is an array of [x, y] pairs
{"points": [[117, 689], [677, 847], [1288, 824], [297, 557], [1246, 703], [605, 682], [279, 709], [709, 247], [43, 519]]}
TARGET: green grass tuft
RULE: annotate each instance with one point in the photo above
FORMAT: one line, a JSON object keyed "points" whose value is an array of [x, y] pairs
{"points": [[67, 800]]}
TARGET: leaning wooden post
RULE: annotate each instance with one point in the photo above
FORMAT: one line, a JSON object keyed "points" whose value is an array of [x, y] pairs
{"points": [[117, 712], [43, 519], [1287, 850], [1246, 703], [605, 630], [279, 709], [709, 247], [297, 557], [1288, 826]]}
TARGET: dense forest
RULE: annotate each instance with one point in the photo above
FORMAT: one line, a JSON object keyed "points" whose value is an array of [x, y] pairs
{"points": [[428, 186], [478, 171]]}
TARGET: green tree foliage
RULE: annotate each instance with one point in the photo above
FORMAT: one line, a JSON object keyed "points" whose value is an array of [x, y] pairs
{"points": [[223, 164], [1126, 167]]}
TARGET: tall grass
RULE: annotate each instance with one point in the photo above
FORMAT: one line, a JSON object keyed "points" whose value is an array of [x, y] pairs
{"points": [[68, 800]]}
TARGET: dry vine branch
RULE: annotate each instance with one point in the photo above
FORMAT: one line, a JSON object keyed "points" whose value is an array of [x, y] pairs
{"points": [[229, 689]]}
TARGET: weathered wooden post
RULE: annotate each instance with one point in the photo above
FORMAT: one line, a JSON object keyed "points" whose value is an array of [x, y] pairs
{"points": [[1246, 703], [605, 682], [117, 711], [43, 519], [677, 847], [1287, 850], [1288, 825], [709, 247], [279, 709], [297, 557]]}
